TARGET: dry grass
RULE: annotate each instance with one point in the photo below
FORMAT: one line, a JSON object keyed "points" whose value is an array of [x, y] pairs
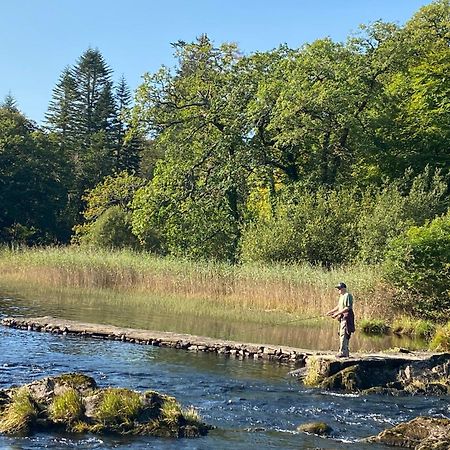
{"points": [[295, 289]]}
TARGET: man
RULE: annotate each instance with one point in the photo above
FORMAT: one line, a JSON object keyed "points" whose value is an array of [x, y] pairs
{"points": [[344, 313]]}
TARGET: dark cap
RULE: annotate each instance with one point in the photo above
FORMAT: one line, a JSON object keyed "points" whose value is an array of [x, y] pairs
{"points": [[341, 285]]}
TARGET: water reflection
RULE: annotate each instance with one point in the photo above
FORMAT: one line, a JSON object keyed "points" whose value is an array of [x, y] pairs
{"points": [[110, 308]]}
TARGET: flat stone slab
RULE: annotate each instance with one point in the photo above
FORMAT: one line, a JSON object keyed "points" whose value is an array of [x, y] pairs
{"points": [[325, 363], [160, 338]]}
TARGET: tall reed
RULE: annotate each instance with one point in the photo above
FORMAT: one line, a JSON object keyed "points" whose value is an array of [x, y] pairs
{"points": [[289, 288]]}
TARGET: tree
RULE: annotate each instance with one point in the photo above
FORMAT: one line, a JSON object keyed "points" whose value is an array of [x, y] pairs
{"points": [[418, 266], [82, 113], [129, 142], [311, 109], [196, 195], [33, 182], [412, 125], [9, 103]]}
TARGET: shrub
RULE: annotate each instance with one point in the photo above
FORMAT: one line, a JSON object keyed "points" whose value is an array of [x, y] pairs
{"points": [[417, 264], [112, 230], [316, 227], [413, 327], [107, 213], [373, 326]]}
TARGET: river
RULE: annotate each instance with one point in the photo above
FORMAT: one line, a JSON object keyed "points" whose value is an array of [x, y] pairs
{"points": [[253, 404]]}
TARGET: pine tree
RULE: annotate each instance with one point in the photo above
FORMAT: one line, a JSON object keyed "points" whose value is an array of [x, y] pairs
{"points": [[83, 114], [129, 144], [62, 111], [10, 103]]}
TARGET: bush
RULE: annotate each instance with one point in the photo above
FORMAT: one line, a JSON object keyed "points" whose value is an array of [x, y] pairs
{"points": [[373, 326], [413, 327], [112, 230], [316, 227], [107, 213], [396, 208], [417, 264]]}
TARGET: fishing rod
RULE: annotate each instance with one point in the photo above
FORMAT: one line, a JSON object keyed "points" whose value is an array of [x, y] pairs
{"points": [[300, 319]]}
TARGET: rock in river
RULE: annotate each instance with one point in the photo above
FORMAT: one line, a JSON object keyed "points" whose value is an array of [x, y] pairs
{"points": [[421, 433], [73, 402]]}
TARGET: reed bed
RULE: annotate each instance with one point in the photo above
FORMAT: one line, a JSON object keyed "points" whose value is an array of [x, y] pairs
{"points": [[296, 289]]}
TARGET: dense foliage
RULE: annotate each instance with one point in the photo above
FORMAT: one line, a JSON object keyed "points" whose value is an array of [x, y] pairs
{"points": [[325, 154], [418, 263]]}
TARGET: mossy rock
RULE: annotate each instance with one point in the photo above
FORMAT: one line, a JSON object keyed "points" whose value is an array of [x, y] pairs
{"points": [[318, 428], [73, 403], [421, 433]]}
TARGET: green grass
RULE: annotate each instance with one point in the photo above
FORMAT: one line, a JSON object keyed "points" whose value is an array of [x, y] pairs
{"points": [[67, 407], [171, 412], [19, 415], [118, 407], [413, 327]]}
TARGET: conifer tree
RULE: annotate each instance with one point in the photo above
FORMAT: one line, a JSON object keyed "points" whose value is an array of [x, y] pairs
{"points": [[9, 103], [83, 115], [129, 144]]}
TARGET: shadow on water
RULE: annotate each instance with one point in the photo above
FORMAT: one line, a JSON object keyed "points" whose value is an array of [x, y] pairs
{"points": [[108, 307]]}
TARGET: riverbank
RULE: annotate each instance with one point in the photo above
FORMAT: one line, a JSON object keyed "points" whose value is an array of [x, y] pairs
{"points": [[267, 293]]}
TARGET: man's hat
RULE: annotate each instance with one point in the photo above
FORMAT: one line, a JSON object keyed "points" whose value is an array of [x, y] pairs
{"points": [[341, 285]]}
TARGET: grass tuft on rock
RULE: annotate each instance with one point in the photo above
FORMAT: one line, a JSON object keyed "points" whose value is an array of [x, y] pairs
{"points": [[171, 412], [118, 407], [312, 377], [19, 415], [66, 407]]}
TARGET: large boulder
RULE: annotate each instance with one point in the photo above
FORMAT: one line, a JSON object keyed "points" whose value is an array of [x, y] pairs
{"points": [[424, 374], [421, 433], [73, 402]]}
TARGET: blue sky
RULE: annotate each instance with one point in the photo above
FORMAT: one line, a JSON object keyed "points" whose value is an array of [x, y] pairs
{"points": [[39, 38]]}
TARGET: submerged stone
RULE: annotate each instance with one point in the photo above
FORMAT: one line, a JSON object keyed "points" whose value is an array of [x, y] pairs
{"points": [[73, 402], [319, 428]]}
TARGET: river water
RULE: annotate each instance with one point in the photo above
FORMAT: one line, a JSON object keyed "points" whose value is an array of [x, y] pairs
{"points": [[253, 404]]}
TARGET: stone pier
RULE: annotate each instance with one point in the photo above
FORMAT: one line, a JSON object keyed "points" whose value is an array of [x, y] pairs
{"points": [[161, 339], [392, 372]]}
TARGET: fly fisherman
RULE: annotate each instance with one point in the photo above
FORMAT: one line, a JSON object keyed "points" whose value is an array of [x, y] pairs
{"points": [[344, 314]]}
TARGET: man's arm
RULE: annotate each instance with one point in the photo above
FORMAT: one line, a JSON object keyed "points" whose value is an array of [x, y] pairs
{"points": [[338, 313], [332, 311]]}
